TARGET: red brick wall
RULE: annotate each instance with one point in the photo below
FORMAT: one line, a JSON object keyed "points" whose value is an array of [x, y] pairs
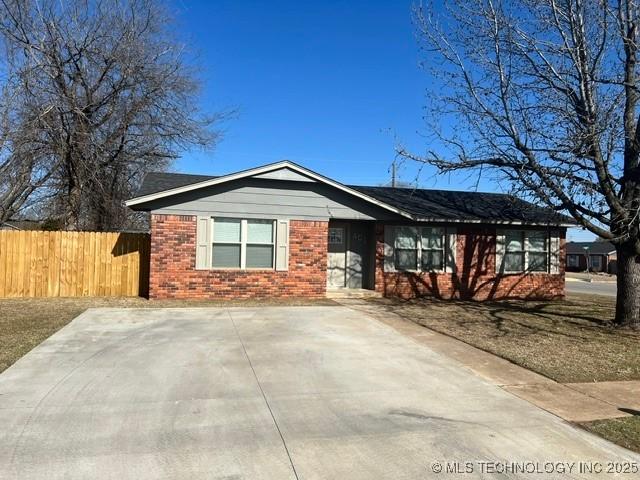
{"points": [[476, 273], [173, 259]]}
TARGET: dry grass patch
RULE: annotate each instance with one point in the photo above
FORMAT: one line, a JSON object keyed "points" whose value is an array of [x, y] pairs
{"points": [[623, 431], [26, 322], [571, 340]]}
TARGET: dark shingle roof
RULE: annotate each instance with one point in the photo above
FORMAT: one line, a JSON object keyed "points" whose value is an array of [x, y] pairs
{"points": [[598, 248], [155, 182], [469, 206], [421, 203]]}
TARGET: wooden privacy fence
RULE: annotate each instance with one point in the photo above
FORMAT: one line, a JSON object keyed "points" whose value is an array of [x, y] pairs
{"points": [[73, 264]]}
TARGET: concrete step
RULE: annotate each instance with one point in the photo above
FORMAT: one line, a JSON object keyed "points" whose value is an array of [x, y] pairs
{"points": [[352, 293]]}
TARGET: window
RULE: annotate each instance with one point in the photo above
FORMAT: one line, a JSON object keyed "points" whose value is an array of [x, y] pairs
{"points": [[419, 248], [596, 262], [572, 260], [526, 251], [336, 235], [406, 248], [514, 251], [432, 246], [259, 244], [537, 251], [241, 243], [227, 243]]}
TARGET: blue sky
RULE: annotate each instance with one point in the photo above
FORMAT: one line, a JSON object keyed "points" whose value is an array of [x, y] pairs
{"points": [[332, 85]]}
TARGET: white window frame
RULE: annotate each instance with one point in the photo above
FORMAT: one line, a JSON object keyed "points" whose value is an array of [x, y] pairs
{"points": [[243, 243], [526, 250], [417, 232]]}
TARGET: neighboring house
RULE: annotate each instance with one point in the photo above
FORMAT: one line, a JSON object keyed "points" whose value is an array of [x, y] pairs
{"points": [[283, 230], [602, 257]]}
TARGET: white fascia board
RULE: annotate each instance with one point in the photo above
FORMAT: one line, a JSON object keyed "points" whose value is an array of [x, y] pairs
{"points": [[495, 222], [259, 171]]}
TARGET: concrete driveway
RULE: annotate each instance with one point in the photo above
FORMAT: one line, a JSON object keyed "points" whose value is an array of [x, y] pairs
{"points": [[265, 393]]}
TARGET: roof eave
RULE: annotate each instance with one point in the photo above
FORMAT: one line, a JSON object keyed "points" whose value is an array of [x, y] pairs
{"points": [[497, 222]]}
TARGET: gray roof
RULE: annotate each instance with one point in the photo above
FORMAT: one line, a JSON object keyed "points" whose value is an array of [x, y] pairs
{"points": [[460, 206], [420, 203], [597, 248], [155, 182]]}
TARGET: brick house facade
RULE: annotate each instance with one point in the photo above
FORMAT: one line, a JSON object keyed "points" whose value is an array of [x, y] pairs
{"points": [[281, 230], [173, 271], [475, 276]]}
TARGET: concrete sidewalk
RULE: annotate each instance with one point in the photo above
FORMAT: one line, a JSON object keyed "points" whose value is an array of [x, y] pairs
{"points": [[574, 402]]}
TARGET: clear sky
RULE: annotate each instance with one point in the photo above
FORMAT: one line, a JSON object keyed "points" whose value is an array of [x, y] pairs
{"points": [[332, 85]]}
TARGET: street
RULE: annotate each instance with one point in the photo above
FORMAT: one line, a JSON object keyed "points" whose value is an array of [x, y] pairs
{"points": [[595, 288]]}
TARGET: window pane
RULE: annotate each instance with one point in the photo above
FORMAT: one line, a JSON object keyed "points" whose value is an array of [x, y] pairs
{"points": [[432, 260], [513, 241], [336, 235], [259, 256], [514, 262], [538, 262], [226, 256], [406, 259], [226, 230], [432, 237], [537, 241], [406, 237], [260, 231]]}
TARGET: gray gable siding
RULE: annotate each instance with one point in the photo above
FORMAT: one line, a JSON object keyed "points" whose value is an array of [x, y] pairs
{"points": [[265, 198]]}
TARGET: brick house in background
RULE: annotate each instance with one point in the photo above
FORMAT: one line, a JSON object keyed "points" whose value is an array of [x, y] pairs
{"points": [[283, 230], [602, 257]]}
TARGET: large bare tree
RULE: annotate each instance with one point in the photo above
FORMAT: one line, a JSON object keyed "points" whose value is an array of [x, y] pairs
{"points": [[103, 92], [544, 94]]}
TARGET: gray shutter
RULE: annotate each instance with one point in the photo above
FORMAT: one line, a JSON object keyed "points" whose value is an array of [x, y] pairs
{"points": [[554, 243], [203, 242], [450, 251], [389, 242], [500, 251], [282, 245]]}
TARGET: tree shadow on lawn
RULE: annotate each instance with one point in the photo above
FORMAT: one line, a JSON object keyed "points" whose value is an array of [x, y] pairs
{"points": [[568, 318]]}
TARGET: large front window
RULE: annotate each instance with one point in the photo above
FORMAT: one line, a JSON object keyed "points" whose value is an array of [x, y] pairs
{"points": [[526, 251], [419, 248], [239, 243]]}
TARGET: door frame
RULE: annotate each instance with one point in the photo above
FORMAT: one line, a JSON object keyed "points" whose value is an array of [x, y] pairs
{"points": [[367, 257], [345, 240]]}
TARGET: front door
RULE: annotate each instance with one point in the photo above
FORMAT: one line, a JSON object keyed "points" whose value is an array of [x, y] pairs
{"points": [[337, 256], [356, 255]]}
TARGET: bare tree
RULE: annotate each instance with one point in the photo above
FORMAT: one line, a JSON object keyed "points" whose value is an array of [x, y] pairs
{"points": [[544, 94], [105, 93], [22, 171]]}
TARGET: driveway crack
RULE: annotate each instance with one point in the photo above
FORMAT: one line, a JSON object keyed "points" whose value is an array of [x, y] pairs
{"points": [[264, 396]]}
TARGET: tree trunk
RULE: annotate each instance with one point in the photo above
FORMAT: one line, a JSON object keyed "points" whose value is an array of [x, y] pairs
{"points": [[628, 280]]}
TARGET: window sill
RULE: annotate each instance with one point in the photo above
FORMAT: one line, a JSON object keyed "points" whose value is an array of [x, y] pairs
{"points": [[418, 271], [525, 272]]}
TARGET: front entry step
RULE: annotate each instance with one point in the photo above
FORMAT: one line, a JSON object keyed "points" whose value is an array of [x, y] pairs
{"points": [[352, 293]]}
